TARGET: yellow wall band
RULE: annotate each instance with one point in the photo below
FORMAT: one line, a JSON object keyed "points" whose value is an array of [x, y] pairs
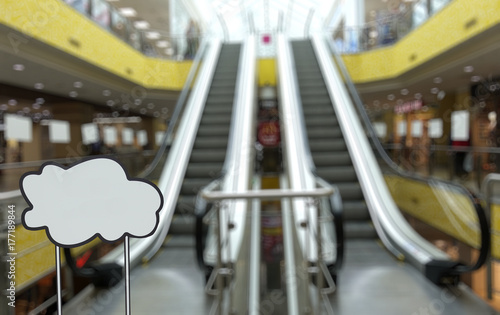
{"points": [[440, 33], [60, 26]]}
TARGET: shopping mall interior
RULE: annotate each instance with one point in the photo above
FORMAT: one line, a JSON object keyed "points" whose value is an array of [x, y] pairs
{"points": [[309, 157]]}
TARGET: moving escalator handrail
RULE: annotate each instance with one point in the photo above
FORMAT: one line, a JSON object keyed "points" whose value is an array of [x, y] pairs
{"points": [[482, 219], [284, 69]]}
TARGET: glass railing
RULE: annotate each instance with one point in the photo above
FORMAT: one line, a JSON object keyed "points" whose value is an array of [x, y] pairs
{"points": [[150, 42], [388, 26]]}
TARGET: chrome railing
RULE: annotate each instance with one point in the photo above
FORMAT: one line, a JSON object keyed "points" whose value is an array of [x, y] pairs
{"points": [[106, 16], [388, 28], [221, 268]]}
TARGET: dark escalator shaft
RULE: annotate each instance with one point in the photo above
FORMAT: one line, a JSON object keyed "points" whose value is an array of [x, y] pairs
{"points": [[326, 142], [209, 149]]}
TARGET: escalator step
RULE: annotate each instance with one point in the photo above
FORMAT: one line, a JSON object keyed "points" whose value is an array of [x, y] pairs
{"points": [[211, 130], [319, 110], [219, 99], [322, 132], [332, 158], [205, 169], [210, 143], [319, 120], [191, 186], [349, 191], [337, 174], [214, 108], [207, 156], [215, 119], [325, 145], [182, 224], [355, 210], [355, 229]]}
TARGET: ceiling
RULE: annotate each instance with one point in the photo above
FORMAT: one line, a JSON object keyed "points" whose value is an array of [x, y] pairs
{"points": [[66, 76]]}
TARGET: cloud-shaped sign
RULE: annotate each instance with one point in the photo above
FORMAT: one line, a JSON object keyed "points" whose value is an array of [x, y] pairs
{"points": [[88, 199]]}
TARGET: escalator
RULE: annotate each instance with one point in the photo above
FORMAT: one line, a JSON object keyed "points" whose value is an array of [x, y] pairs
{"points": [[327, 144], [209, 149], [341, 153]]}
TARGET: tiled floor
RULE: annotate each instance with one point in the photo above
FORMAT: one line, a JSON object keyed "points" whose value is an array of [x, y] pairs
{"points": [[371, 282]]}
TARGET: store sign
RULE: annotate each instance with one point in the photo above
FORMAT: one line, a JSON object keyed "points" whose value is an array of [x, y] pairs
{"points": [[269, 133], [408, 107]]}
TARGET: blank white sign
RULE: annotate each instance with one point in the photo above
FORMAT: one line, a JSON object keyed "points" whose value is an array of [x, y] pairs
{"points": [[18, 128], [127, 136], [90, 133], [159, 137], [402, 128], [380, 129], [435, 128], [142, 137], [110, 135], [460, 125], [417, 128], [59, 131]]}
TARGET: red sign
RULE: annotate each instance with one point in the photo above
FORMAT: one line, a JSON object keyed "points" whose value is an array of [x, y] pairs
{"points": [[269, 133]]}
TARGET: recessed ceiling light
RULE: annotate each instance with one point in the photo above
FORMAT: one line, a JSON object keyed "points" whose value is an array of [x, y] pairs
{"points": [[39, 86], [157, 114], [110, 103], [141, 25], [153, 35], [437, 80], [78, 84], [418, 96], [12, 102], [73, 94], [162, 43], [441, 95], [143, 111], [475, 78], [391, 97], [18, 67], [106, 92], [404, 92], [151, 105], [434, 90], [36, 105], [468, 69], [128, 12], [138, 102], [26, 110], [40, 100], [376, 102]]}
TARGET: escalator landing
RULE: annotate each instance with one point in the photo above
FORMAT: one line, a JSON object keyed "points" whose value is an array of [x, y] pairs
{"points": [[371, 281], [171, 283]]}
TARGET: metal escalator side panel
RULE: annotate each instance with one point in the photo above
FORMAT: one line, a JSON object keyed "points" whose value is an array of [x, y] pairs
{"points": [[393, 227], [294, 144], [240, 157], [173, 173]]}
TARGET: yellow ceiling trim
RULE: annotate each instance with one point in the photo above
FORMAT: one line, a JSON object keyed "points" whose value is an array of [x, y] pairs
{"points": [[60, 26], [456, 23]]}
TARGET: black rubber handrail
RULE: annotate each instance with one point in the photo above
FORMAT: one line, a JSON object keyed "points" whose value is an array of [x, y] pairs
{"points": [[483, 221]]}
